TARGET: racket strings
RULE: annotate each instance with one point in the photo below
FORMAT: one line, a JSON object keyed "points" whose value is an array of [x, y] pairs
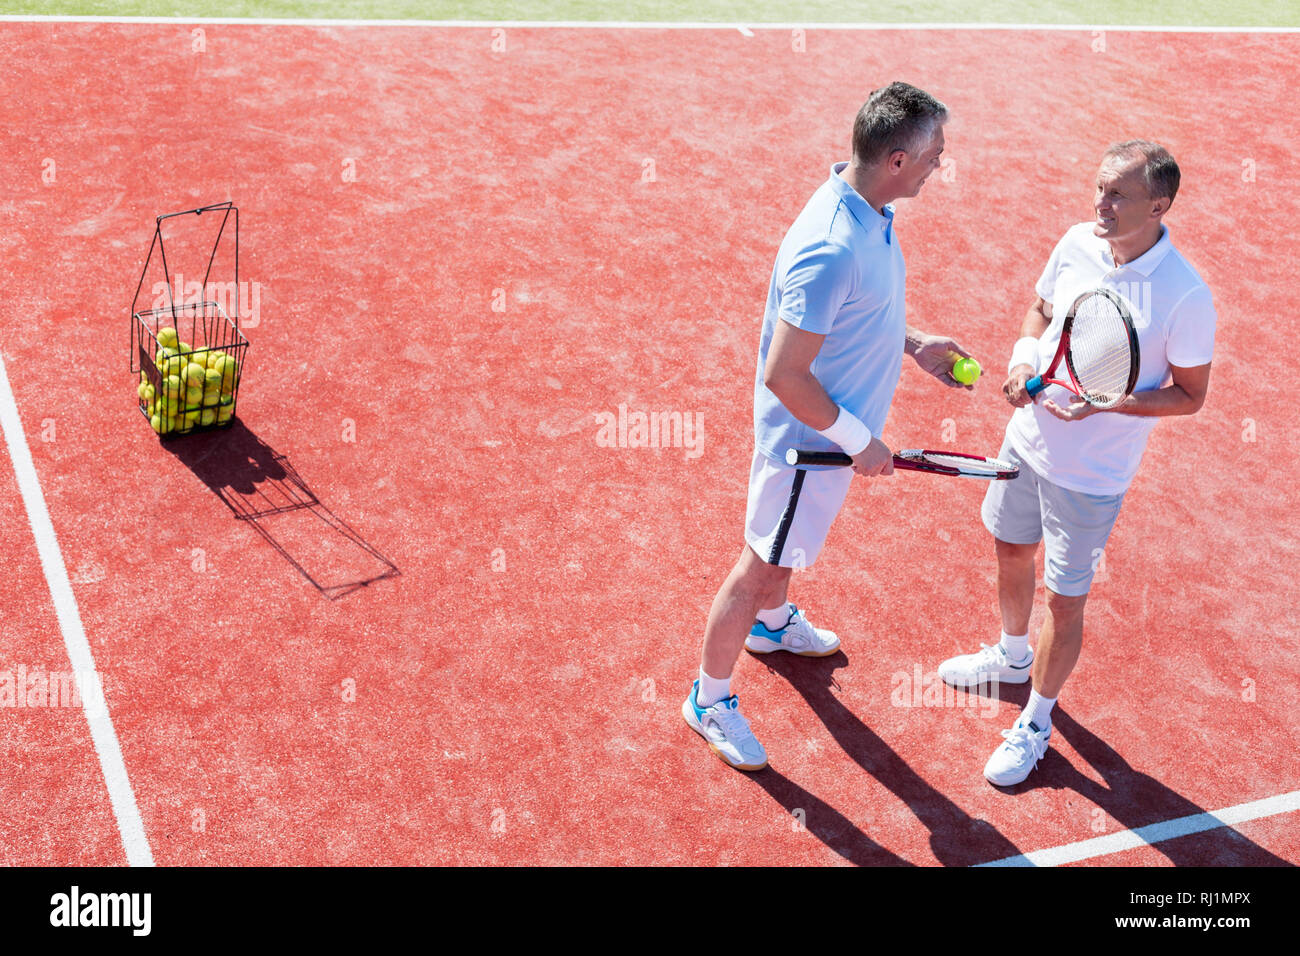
{"points": [[1101, 357]]}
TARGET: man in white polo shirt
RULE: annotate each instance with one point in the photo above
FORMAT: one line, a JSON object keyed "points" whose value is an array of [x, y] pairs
{"points": [[1077, 462], [834, 335]]}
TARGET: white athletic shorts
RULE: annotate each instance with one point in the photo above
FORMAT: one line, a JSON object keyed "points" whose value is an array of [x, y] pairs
{"points": [[1073, 525], [790, 510]]}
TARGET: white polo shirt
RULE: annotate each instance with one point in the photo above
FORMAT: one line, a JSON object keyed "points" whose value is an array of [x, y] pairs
{"points": [[1173, 314], [839, 273]]}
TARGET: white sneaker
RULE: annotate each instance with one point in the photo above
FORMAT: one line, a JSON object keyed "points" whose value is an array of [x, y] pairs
{"points": [[1018, 755], [726, 731], [797, 637], [988, 665]]}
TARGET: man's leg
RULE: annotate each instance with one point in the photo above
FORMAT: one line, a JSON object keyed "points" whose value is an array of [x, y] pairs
{"points": [[787, 517], [1076, 527], [1011, 513], [751, 582], [774, 609], [711, 710], [1008, 661], [1015, 584], [1059, 643], [787, 523], [780, 626]]}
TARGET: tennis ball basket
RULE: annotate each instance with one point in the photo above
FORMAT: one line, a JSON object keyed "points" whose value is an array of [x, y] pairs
{"points": [[186, 344]]}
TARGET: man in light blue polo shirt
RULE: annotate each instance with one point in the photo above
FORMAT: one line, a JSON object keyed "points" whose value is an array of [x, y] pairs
{"points": [[833, 340]]}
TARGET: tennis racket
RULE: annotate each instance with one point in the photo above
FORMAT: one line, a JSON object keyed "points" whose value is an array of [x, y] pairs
{"points": [[1100, 348], [952, 463]]}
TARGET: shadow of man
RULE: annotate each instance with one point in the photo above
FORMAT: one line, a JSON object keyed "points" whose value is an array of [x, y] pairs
{"points": [[825, 822], [1135, 799], [956, 838]]}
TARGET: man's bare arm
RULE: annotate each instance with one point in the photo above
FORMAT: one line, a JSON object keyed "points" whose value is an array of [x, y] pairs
{"points": [[1183, 396], [1035, 323], [787, 373]]}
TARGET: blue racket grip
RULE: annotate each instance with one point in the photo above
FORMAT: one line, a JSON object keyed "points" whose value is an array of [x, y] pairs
{"points": [[1035, 385]]}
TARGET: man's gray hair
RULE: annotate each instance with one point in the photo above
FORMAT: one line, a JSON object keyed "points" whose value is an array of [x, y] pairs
{"points": [[894, 117], [1159, 169]]}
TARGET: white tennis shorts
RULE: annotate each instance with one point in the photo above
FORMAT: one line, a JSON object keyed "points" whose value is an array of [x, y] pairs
{"points": [[790, 510]]}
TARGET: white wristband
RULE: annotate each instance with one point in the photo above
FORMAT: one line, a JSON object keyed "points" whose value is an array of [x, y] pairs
{"points": [[848, 432], [1025, 352]]}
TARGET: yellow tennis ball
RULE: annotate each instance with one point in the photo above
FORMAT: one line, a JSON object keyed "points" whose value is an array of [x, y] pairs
{"points": [[229, 370], [146, 392], [194, 374], [168, 337], [225, 411], [194, 395], [207, 416], [214, 357], [966, 371], [171, 386]]}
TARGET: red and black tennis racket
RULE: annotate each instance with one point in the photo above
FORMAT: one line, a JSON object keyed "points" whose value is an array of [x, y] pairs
{"points": [[952, 463], [1100, 348]]}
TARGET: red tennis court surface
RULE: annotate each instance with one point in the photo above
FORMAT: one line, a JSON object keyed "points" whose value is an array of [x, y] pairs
{"points": [[464, 635]]}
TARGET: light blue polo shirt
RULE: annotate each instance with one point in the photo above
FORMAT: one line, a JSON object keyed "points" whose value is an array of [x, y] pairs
{"points": [[839, 273]]}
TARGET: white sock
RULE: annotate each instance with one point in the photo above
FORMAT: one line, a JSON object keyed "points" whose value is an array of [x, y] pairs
{"points": [[712, 690], [1038, 711], [1016, 646], [775, 619]]}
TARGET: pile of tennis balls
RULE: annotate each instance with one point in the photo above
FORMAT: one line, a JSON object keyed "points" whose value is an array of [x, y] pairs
{"points": [[197, 388]]}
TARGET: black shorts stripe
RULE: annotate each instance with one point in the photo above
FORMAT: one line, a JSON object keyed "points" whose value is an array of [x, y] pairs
{"points": [[787, 519]]}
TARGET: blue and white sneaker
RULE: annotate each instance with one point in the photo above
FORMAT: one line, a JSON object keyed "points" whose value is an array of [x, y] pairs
{"points": [[797, 637], [988, 665], [726, 731], [1019, 754]]}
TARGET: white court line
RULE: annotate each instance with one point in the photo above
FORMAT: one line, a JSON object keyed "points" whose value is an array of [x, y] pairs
{"points": [[102, 733], [633, 24], [1155, 832]]}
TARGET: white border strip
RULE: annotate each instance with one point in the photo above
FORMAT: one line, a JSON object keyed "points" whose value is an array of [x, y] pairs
{"points": [[102, 733], [1155, 832], [101, 727], [634, 24]]}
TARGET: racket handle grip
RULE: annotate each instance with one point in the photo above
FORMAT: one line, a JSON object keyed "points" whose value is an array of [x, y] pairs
{"points": [[1035, 385], [798, 457]]}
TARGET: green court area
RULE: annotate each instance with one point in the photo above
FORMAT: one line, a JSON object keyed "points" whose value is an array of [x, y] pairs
{"points": [[1260, 13]]}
